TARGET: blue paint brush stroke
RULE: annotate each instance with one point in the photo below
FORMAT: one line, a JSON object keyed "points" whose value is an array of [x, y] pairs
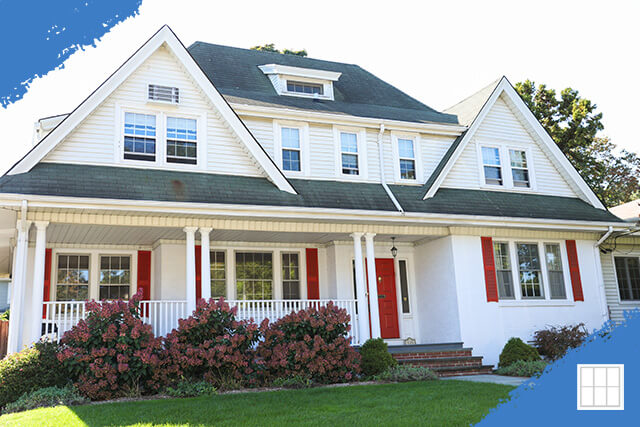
{"points": [[38, 36], [551, 400]]}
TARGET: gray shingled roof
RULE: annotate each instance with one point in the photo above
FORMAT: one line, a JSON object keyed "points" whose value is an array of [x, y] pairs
{"points": [[57, 179], [236, 75]]}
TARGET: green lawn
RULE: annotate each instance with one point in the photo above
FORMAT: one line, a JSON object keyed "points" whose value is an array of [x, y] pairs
{"points": [[418, 403]]}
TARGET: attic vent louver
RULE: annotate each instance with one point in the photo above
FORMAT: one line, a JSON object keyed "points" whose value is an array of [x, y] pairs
{"points": [[164, 94]]}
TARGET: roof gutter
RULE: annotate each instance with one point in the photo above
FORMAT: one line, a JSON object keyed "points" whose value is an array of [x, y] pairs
{"points": [[383, 181]]}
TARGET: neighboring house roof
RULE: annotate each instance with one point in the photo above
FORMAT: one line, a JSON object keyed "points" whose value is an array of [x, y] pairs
{"points": [[357, 92], [68, 180], [164, 36], [476, 104], [629, 211]]}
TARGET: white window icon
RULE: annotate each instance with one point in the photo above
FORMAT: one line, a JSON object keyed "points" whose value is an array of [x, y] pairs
{"points": [[600, 387]]}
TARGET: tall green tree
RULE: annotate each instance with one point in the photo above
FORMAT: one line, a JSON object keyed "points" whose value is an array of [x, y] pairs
{"points": [[574, 123], [271, 47]]}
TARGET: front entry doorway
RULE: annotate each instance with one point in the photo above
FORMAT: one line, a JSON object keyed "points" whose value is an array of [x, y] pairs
{"points": [[387, 298]]}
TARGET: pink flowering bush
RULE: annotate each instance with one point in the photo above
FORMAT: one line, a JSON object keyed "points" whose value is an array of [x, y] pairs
{"points": [[214, 346], [311, 344], [112, 353]]}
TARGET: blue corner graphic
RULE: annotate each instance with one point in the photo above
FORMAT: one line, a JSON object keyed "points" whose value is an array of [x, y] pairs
{"points": [[38, 36]]}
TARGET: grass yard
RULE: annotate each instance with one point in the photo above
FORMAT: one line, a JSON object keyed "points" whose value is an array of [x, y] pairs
{"points": [[417, 403]]}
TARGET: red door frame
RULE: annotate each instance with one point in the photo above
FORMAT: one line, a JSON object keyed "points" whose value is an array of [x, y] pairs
{"points": [[394, 330]]}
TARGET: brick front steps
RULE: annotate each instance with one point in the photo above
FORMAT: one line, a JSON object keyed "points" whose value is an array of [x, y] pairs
{"points": [[446, 360]]}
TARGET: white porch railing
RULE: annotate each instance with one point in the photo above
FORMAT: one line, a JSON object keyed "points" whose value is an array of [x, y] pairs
{"points": [[60, 316]]}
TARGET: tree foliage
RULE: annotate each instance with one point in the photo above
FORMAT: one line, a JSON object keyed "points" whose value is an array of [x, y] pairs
{"points": [[271, 47], [573, 122]]}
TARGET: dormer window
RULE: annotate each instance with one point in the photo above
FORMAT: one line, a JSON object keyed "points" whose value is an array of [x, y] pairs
{"points": [[506, 167], [301, 87], [301, 82], [164, 94]]}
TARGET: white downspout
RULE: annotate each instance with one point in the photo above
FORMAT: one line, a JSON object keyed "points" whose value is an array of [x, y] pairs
{"points": [[382, 178], [603, 238], [604, 306]]}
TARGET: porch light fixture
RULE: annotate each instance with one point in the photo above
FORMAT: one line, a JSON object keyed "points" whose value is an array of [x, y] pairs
{"points": [[394, 250]]}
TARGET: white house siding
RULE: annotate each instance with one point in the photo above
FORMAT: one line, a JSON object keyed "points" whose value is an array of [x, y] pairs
{"points": [[616, 307], [501, 126], [486, 326], [95, 139]]}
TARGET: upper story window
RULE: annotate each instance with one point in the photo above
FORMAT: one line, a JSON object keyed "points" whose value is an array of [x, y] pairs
{"points": [[302, 87], [182, 140], [504, 166], [628, 275], [519, 170], [140, 137], [291, 149], [349, 153], [164, 94], [491, 165], [407, 158]]}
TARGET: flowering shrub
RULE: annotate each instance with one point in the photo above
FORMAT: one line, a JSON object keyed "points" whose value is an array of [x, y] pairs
{"points": [[213, 345], [312, 344], [32, 368], [112, 353], [554, 342]]}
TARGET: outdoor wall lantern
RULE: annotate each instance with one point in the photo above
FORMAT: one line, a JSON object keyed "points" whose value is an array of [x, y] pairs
{"points": [[394, 250]]}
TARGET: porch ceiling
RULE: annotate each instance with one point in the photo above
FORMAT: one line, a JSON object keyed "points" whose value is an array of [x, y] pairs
{"points": [[146, 236]]}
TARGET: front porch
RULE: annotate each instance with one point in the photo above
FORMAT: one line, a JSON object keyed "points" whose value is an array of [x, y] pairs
{"points": [[266, 269]]}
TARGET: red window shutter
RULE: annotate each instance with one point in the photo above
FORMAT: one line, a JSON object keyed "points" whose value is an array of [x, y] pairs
{"points": [[144, 274], [198, 272], [574, 271], [489, 269], [47, 280], [313, 281]]}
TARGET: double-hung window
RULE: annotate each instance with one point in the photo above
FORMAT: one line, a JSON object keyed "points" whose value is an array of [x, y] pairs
{"points": [[290, 276], [407, 158], [349, 153], [504, 273], [555, 271], [291, 159], [519, 169], [254, 275], [530, 270], [218, 274], [628, 275], [181, 141], [73, 278], [140, 137], [115, 277], [491, 166]]}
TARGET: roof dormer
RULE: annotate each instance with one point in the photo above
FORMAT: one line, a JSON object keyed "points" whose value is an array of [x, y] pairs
{"points": [[301, 82]]}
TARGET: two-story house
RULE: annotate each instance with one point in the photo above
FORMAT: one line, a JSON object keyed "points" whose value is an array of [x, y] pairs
{"points": [[280, 182]]}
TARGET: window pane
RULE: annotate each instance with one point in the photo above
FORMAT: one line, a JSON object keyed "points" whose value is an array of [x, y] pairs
{"points": [[350, 164], [73, 278], [504, 275], [628, 274], [493, 175], [254, 275], [405, 148], [404, 289], [520, 177], [290, 276], [290, 138], [518, 159], [529, 268], [182, 140], [139, 136], [554, 269], [407, 169], [115, 277], [218, 274], [490, 156], [349, 142], [301, 87]]}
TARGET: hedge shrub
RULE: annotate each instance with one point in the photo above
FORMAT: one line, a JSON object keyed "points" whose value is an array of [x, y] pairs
{"points": [[46, 397], [515, 349], [32, 368], [554, 342], [112, 353], [186, 388], [405, 373], [212, 345], [523, 368], [375, 357], [311, 344]]}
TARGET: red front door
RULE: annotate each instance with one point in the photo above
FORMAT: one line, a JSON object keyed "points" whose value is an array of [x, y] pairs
{"points": [[387, 301]]}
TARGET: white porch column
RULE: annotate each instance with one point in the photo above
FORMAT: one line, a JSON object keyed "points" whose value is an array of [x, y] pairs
{"points": [[191, 269], [373, 285], [363, 312], [205, 257], [38, 280], [18, 284]]}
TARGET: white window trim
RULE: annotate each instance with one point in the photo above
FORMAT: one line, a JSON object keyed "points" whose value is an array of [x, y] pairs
{"points": [[396, 156], [94, 268], [546, 300], [161, 111], [304, 146], [361, 136], [505, 166], [615, 274]]}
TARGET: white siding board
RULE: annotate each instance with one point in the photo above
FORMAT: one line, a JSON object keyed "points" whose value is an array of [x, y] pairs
{"points": [[93, 141], [500, 125], [322, 151]]}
